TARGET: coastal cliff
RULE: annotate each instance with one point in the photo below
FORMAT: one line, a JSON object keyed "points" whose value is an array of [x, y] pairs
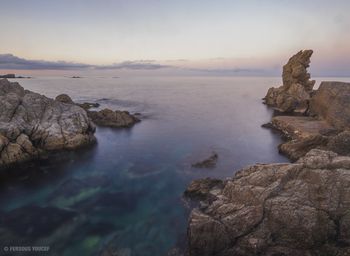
{"points": [[285, 209], [32, 124], [275, 209]]}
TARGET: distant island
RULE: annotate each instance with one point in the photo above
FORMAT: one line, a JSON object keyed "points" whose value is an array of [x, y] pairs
{"points": [[13, 76]]}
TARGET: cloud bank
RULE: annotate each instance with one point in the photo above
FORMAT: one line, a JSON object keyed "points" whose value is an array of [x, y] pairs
{"points": [[10, 61]]}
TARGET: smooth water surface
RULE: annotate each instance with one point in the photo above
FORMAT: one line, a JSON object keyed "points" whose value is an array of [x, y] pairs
{"points": [[125, 193]]}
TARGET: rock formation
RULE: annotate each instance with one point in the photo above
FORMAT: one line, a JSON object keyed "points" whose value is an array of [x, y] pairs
{"points": [[110, 118], [105, 117], [294, 94], [331, 102], [326, 111], [31, 124], [275, 209]]}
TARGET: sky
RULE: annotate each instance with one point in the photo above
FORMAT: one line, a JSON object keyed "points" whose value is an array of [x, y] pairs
{"points": [[183, 36]]}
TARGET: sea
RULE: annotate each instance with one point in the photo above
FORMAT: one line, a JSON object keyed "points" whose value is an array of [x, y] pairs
{"points": [[124, 195]]}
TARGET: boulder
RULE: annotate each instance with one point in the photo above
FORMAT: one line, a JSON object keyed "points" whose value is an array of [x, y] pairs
{"points": [[294, 94], [331, 102], [110, 118], [277, 209], [31, 124]]}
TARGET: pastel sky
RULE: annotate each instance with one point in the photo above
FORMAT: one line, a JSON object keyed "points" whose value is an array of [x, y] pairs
{"points": [[191, 35]]}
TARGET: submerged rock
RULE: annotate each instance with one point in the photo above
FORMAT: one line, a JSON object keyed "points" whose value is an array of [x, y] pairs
{"points": [[108, 117], [294, 94], [210, 162], [35, 221], [31, 124], [277, 209]]}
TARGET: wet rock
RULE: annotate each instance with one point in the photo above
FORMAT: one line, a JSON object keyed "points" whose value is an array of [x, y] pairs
{"points": [[294, 94], [331, 102], [110, 118], [210, 162], [278, 209], [32, 124]]}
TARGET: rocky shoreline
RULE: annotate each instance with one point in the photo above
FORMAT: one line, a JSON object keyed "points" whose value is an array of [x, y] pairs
{"points": [[32, 125], [296, 208]]}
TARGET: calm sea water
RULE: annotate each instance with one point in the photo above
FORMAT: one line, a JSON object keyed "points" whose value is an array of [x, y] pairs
{"points": [[125, 193]]}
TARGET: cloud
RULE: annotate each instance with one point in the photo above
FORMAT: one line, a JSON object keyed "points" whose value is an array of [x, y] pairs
{"points": [[229, 71], [135, 65], [10, 61]]}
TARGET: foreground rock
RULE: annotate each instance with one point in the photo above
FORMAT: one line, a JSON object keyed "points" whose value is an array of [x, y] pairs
{"points": [[110, 118], [276, 209], [294, 94], [32, 124]]}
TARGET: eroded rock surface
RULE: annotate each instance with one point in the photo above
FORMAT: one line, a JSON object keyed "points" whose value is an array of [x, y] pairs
{"points": [[277, 209], [305, 133], [331, 102], [31, 124], [294, 94]]}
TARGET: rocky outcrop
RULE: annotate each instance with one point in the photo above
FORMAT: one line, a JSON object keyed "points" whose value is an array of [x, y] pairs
{"points": [[331, 102], [31, 124], [305, 133], [275, 209], [326, 111], [105, 117], [110, 118], [294, 94]]}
